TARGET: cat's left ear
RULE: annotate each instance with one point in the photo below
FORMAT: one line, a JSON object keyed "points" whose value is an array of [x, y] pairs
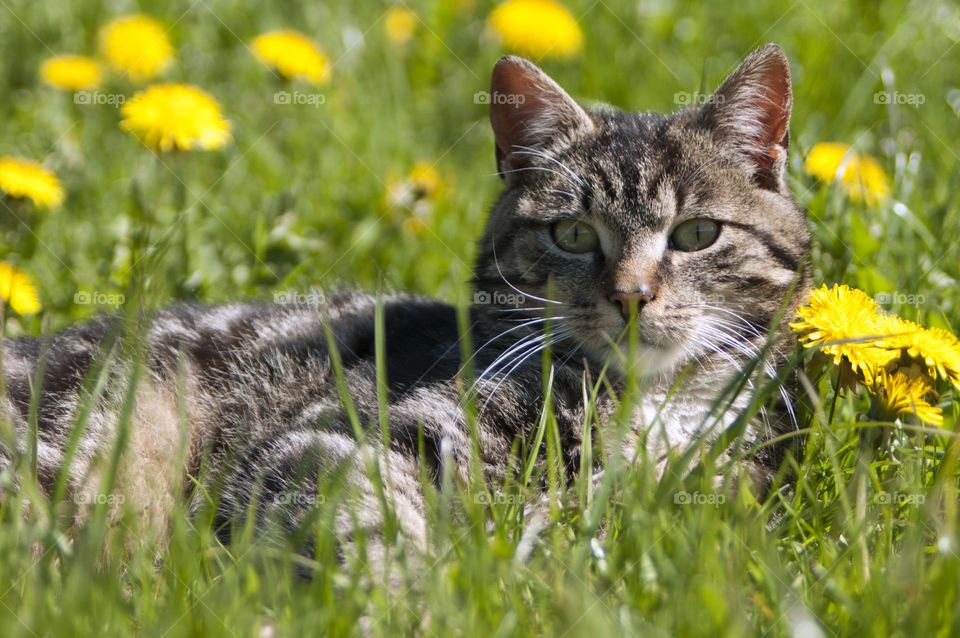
{"points": [[750, 114], [530, 112]]}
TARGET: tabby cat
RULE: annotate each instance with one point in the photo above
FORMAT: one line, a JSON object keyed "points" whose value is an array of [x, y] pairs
{"points": [[680, 223]]}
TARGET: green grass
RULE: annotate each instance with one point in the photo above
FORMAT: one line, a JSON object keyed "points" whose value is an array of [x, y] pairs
{"points": [[298, 200]]}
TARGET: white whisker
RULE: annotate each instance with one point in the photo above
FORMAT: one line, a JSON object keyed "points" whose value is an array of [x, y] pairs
{"points": [[551, 339], [526, 150], [533, 168], [496, 262], [504, 358], [722, 329], [527, 323]]}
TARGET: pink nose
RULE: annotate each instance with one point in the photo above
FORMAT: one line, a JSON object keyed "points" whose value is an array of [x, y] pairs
{"points": [[640, 297]]}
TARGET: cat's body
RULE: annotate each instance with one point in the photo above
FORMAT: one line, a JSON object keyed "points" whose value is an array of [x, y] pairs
{"points": [[593, 225], [258, 395]]}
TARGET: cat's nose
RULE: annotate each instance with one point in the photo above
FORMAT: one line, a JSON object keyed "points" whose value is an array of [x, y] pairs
{"points": [[640, 297]]}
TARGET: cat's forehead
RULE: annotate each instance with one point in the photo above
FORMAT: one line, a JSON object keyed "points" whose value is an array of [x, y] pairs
{"points": [[641, 168]]}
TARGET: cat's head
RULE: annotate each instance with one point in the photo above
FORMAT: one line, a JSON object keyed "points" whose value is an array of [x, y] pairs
{"points": [[685, 218]]}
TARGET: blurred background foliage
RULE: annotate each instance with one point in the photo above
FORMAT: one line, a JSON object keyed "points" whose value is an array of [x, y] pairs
{"points": [[301, 196]]}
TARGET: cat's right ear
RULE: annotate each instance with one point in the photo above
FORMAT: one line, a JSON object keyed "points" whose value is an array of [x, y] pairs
{"points": [[750, 114], [530, 112]]}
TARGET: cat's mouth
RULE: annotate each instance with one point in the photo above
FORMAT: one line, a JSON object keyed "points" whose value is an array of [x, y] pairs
{"points": [[658, 341]]}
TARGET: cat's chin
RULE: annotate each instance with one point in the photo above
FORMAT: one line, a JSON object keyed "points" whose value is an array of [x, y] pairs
{"points": [[645, 360], [652, 361]]}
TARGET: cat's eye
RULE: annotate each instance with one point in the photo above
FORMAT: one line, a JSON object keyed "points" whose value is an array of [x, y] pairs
{"points": [[695, 234], [575, 236]]}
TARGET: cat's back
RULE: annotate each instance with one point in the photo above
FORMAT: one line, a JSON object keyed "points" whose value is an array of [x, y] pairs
{"points": [[294, 340], [420, 336]]}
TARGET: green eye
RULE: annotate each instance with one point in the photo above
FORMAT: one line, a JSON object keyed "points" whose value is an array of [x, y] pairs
{"points": [[695, 234], [575, 236]]}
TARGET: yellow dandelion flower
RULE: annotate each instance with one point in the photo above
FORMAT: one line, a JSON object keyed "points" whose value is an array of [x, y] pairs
{"points": [[537, 28], [897, 333], [293, 54], [136, 45], [898, 393], [861, 177], [421, 185], [936, 349], [71, 72], [17, 291], [22, 178], [425, 179], [175, 117], [842, 321], [826, 158], [400, 24], [940, 351]]}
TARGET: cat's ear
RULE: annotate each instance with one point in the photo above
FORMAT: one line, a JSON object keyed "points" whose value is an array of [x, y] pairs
{"points": [[528, 110], [750, 113]]}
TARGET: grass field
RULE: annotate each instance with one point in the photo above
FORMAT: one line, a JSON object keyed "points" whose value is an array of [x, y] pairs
{"points": [[319, 192]]}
